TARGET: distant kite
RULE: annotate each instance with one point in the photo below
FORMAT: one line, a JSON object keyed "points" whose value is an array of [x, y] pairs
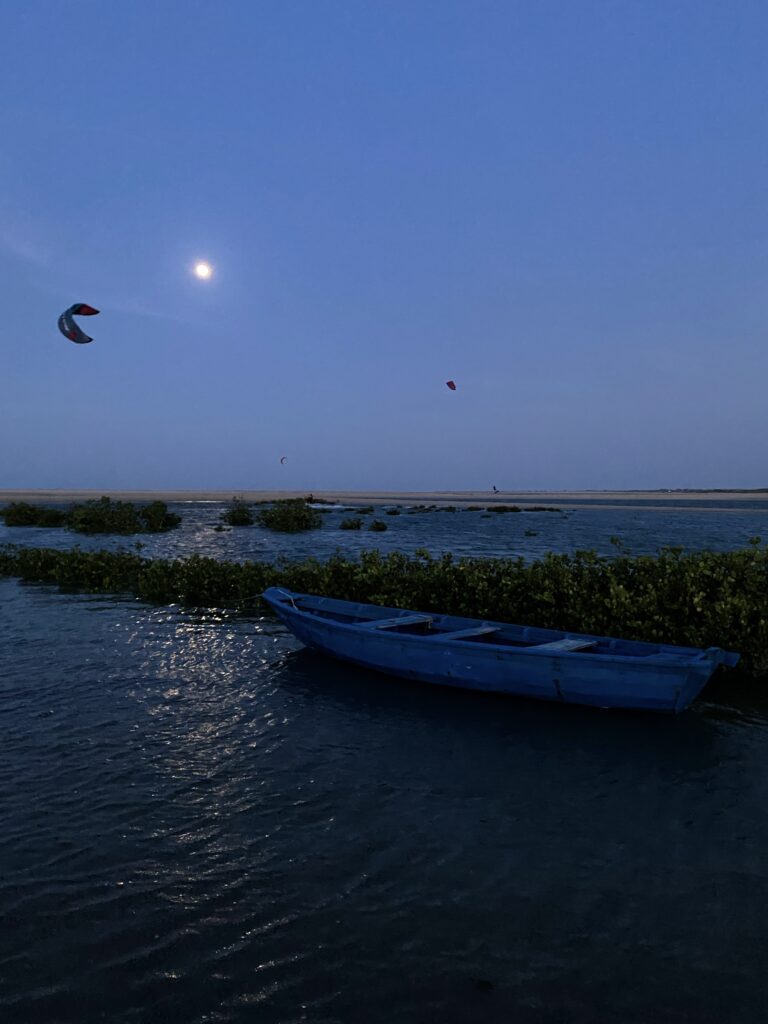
{"points": [[70, 329], [451, 384], [282, 460]]}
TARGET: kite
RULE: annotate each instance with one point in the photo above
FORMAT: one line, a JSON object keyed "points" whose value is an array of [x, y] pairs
{"points": [[282, 460], [70, 329], [451, 384]]}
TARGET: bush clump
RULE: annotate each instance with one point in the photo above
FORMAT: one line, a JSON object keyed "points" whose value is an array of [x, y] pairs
{"points": [[393, 511], [350, 524], [290, 515], [100, 515], [103, 515], [238, 513], [157, 519], [377, 526], [21, 513]]}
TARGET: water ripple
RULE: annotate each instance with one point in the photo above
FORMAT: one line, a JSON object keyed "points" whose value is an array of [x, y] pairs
{"points": [[202, 822]]}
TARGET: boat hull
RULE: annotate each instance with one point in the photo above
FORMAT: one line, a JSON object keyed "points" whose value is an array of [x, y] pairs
{"points": [[576, 678]]}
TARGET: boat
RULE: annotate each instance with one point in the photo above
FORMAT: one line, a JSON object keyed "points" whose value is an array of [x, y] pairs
{"points": [[497, 657]]}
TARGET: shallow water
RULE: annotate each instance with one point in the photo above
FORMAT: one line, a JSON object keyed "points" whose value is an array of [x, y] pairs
{"points": [[203, 823], [529, 534]]}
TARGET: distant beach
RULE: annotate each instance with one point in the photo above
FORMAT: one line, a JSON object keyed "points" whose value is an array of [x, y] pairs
{"points": [[648, 500]]}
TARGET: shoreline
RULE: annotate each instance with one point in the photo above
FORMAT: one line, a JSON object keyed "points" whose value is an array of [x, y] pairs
{"points": [[661, 500]]}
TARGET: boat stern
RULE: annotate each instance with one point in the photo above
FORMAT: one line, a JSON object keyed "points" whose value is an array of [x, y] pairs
{"points": [[701, 672]]}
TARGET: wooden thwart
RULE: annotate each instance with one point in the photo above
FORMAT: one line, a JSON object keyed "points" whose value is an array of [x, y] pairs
{"points": [[402, 620], [566, 644], [461, 634]]}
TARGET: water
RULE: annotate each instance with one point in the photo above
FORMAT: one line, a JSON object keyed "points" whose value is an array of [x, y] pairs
{"points": [[640, 529], [200, 822]]}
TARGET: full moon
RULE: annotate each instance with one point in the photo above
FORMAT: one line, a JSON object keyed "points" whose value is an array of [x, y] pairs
{"points": [[203, 270]]}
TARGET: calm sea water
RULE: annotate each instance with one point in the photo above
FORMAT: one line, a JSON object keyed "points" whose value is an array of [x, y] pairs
{"points": [[203, 823]]}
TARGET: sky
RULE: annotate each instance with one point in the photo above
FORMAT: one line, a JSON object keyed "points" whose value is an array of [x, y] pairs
{"points": [[563, 207]]}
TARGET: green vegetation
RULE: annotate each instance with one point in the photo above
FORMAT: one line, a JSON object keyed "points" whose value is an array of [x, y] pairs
{"points": [[393, 511], [474, 508], [102, 515], [365, 510], [291, 515], [377, 526], [541, 508], [702, 599], [156, 517], [531, 533], [350, 524], [238, 513], [503, 508], [21, 513]]}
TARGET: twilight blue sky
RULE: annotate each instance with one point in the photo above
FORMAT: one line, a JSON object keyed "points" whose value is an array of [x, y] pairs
{"points": [[561, 205]]}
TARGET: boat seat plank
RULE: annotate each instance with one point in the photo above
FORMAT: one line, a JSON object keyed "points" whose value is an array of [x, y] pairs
{"points": [[566, 644], [401, 620], [461, 634]]}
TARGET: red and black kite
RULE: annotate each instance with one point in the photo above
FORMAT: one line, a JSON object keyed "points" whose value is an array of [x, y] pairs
{"points": [[70, 329]]}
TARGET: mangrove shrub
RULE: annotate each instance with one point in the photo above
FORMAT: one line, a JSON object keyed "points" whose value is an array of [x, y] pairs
{"points": [[103, 515], [22, 513], [238, 513], [290, 515], [350, 524]]}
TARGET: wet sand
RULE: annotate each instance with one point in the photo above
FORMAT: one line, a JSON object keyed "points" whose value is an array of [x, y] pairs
{"points": [[663, 500]]}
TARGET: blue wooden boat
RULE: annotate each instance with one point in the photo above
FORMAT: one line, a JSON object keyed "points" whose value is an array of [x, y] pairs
{"points": [[501, 658]]}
